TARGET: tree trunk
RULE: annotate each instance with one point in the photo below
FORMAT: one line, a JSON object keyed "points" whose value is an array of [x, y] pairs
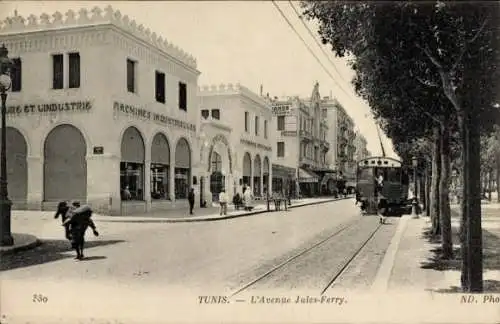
{"points": [[444, 197], [490, 183], [427, 191], [463, 233], [474, 233], [498, 179], [436, 173]]}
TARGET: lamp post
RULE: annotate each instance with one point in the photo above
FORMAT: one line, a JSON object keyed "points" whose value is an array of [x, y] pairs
{"points": [[5, 203], [414, 161]]}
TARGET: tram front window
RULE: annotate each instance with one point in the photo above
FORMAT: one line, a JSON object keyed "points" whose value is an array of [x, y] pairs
{"points": [[365, 174]]}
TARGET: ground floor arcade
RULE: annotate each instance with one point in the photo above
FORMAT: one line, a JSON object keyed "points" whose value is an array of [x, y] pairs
{"points": [[231, 167], [134, 167]]}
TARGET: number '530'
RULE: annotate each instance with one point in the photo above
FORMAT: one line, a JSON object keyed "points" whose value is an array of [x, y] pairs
{"points": [[39, 298]]}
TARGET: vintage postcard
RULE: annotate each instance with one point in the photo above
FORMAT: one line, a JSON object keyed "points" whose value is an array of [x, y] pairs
{"points": [[249, 162]]}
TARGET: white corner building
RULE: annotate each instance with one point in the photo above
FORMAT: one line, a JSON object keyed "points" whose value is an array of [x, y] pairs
{"points": [[102, 110], [236, 141]]}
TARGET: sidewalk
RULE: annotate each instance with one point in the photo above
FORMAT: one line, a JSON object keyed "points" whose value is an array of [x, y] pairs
{"points": [[412, 265], [183, 217]]}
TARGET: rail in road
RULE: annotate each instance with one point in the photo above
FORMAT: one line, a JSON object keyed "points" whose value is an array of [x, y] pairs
{"points": [[318, 266]]}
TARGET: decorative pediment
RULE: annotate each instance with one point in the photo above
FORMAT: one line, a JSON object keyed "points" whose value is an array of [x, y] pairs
{"points": [[96, 16]]}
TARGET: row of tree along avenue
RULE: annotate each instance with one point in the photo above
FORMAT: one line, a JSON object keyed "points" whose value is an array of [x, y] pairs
{"points": [[429, 72]]}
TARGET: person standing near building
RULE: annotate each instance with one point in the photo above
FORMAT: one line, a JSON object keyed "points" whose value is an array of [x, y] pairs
{"points": [[62, 209], [223, 202], [191, 201]]}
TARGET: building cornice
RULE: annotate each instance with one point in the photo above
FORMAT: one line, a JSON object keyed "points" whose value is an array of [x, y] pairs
{"points": [[233, 90], [19, 25]]}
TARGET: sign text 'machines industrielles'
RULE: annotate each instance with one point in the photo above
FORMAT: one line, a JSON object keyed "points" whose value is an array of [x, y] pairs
{"points": [[156, 117]]}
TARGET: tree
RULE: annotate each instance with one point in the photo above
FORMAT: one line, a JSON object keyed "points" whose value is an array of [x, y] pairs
{"points": [[451, 50]]}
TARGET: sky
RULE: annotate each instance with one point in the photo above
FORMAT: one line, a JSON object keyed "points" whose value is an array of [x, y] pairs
{"points": [[240, 41]]}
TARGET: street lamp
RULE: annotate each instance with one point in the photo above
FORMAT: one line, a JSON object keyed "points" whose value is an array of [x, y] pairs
{"points": [[5, 203], [414, 161]]}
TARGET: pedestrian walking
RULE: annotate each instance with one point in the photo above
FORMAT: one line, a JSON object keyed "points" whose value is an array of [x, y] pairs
{"points": [[62, 210], [79, 219], [191, 201], [382, 209], [223, 202]]}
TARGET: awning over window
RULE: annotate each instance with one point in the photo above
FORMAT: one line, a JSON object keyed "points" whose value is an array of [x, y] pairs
{"points": [[307, 177], [280, 171]]}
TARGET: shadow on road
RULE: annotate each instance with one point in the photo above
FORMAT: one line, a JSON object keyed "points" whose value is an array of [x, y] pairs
{"points": [[95, 257], [491, 259], [48, 251]]}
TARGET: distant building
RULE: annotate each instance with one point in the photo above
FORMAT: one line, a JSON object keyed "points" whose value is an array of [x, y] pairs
{"points": [[345, 145], [360, 145], [301, 130], [237, 141], [102, 110]]}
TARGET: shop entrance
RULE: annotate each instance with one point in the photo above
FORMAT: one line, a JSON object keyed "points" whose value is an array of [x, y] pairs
{"points": [[65, 165]]}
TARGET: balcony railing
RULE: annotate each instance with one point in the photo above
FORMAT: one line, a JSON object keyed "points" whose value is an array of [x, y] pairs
{"points": [[305, 134], [289, 133]]}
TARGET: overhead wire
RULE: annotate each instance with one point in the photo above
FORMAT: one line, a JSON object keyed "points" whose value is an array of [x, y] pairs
{"points": [[316, 40], [316, 57], [307, 46]]}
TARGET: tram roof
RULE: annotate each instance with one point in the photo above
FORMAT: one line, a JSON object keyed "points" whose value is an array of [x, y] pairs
{"points": [[379, 162]]}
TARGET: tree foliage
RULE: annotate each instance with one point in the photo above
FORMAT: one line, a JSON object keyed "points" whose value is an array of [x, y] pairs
{"points": [[422, 65]]}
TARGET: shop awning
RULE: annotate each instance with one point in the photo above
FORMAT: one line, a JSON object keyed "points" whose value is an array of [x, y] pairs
{"points": [[280, 171], [307, 177], [350, 184]]}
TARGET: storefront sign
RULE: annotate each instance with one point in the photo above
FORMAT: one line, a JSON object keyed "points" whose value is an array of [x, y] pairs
{"points": [[141, 113], [281, 109], [50, 107], [257, 145]]}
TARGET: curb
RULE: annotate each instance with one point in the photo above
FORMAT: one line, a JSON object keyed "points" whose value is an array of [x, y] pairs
{"points": [[381, 281], [31, 244], [212, 219]]}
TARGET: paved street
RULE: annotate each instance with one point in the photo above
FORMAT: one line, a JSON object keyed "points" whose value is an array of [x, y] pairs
{"points": [[201, 258]]}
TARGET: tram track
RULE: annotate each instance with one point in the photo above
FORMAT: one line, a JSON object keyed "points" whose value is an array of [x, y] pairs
{"points": [[302, 260]]}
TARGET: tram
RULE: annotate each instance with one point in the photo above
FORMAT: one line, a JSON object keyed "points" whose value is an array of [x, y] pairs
{"points": [[382, 177]]}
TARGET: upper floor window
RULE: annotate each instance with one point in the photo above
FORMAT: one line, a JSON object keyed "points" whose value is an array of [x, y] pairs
{"points": [[182, 96], [256, 125], [160, 86], [265, 129], [74, 70], [131, 66], [246, 121], [281, 149], [281, 123], [205, 113], [216, 114], [16, 74], [57, 71]]}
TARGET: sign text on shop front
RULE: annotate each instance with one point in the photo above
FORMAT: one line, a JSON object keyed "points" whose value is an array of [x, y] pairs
{"points": [[49, 107], [156, 117]]}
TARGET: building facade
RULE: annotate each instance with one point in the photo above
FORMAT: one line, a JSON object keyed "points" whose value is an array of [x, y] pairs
{"points": [[237, 141], [346, 148], [360, 144], [104, 111], [301, 142]]}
